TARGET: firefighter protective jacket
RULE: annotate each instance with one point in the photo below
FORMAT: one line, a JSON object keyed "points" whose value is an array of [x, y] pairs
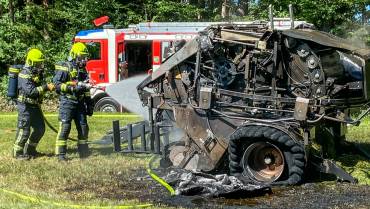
{"points": [[30, 86], [66, 81]]}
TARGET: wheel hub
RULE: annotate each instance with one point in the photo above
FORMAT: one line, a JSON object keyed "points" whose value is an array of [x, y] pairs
{"points": [[263, 162], [108, 108]]}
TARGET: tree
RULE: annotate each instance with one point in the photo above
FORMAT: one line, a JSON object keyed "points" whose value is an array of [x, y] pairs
{"points": [[172, 11], [11, 11], [51, 25]]}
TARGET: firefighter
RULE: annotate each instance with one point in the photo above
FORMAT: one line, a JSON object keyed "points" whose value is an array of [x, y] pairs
{"points": [[30, 92], [123, 70], [71, 82]]}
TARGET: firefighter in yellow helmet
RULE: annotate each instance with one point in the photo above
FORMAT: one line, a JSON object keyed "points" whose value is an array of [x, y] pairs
{"points": [[71, 81], [31, 89]]}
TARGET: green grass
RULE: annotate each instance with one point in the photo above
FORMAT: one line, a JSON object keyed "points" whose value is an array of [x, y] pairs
{"points": [[358, 166], [90, 181], [103, 178]]}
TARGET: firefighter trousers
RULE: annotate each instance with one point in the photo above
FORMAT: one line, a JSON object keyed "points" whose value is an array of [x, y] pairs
{"points": [[26, 141], [66, 115]]}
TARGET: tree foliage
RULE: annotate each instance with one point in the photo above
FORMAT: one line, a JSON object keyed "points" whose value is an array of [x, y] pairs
{"points": [[51, 25]]}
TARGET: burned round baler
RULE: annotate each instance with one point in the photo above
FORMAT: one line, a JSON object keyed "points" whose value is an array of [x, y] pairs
{"points": [[255, 99]]}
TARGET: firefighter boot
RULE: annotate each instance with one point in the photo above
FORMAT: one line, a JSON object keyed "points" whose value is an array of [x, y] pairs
{"points": [[61, 150], [61, 143], [62, 158], [18, 153], [83, 150], [23, 157], [18, 147], [30, 150]]}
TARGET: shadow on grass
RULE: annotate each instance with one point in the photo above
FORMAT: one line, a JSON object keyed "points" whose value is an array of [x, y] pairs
{"points": [[354, 158], [106, 150]]}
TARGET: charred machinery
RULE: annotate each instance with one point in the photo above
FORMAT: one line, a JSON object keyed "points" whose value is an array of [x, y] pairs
{"points": [[255, 99]]}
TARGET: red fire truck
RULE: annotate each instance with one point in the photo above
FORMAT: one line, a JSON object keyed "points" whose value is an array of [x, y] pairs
{"points": [[116, 54]]}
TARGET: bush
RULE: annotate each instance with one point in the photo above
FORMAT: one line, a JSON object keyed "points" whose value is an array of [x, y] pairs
{"points": [[50, 103]]}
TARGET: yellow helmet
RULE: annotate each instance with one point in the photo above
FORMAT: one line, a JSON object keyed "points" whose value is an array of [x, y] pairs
{"points": [[78, 49], [33, 56]]}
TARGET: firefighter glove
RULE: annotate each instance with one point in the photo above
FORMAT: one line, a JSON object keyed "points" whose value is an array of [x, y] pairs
{"points": [[79, 89], [50, 86], [87, 86]]}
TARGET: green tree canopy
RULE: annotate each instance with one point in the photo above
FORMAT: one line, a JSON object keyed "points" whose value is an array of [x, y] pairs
{"points": [[51, 25]]}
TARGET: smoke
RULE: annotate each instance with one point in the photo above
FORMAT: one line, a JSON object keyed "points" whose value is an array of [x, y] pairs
{"points": [[175, 133], [360, 37], [126, 94]]}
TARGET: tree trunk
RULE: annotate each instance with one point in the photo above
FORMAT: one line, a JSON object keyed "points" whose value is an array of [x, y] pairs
{"points": [[28, 15], [45, 3], [11, 11], [1, 10], [46, 32], [245, 6], [363, 14], [225, 10]]}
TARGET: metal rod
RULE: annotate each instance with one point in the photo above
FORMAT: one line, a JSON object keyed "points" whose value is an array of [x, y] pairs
{"points": [[151, 123], [143, 140], [274, 73], [291, 14], [271, 16], [197, 72], [129, 133], [166, 138], [253, 119], [166, 141], [251, 107], [236, 42], [258, 35], [281, 18], [116, 136], [157, 140]]}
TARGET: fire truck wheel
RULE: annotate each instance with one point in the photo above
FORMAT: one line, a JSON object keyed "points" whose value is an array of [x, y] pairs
{"points": [[267, 155], [107, 104]]}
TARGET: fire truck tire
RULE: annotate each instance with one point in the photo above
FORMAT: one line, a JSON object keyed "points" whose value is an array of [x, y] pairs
{"points": [[266, 154], [107, 104]]}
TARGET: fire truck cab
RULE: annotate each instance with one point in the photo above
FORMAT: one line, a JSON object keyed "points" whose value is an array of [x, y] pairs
{"points": [[117, 54]]}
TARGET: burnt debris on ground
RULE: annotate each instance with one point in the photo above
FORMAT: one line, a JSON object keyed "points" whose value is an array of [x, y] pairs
{"points": [[191, 183]]}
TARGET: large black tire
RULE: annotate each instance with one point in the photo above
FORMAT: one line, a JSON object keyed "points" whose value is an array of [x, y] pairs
{"points": [[293, 152], [107, 104]]}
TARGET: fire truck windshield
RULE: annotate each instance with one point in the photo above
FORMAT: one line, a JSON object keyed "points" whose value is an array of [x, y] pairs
{"points": [[94, 50]]}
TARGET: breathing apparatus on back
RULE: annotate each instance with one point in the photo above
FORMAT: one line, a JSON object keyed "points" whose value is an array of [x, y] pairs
{"points": [[34, 61]]}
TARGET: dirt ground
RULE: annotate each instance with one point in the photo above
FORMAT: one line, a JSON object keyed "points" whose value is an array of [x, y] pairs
{"points": [[324, 194]]}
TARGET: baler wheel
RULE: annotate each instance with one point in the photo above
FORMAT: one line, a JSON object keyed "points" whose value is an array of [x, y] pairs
{"points": [[266, 154]]}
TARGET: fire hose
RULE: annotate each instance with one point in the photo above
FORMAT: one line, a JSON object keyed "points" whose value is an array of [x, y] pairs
{"points": [[149, 170], [84, 84], [157, 178], [53, 128]]}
